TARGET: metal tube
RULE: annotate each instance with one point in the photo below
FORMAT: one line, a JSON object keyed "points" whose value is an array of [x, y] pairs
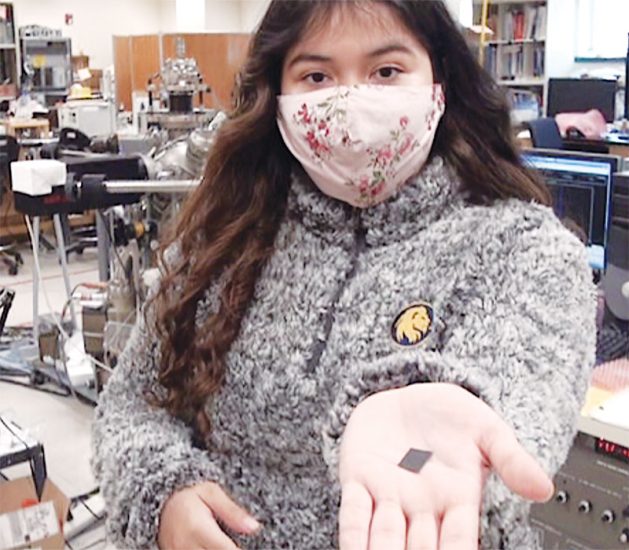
{"points": [[483, 32], [150, 186], [56, 219], [36, 281], [104, 243], [626, 113]]}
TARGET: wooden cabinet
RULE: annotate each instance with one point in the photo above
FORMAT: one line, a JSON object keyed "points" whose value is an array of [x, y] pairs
{"points": [[218, 55]]}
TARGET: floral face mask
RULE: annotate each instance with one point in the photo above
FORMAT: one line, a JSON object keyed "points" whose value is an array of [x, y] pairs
{"points": [[360, 144]]}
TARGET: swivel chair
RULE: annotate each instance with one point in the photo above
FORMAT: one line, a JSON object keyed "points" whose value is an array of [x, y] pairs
{"points": [[9, 152], [545, 134]]}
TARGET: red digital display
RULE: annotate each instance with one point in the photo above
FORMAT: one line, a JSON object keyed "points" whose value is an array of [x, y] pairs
{"points": [[608, 448]]}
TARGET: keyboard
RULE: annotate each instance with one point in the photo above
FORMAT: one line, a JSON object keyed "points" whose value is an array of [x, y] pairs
{"points": [[612, 342]]}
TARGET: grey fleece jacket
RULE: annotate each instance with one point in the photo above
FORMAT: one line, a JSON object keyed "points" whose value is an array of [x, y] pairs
{"points": [[515, 323]]}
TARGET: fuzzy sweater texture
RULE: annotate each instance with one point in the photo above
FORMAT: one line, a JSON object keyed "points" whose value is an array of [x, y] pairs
{"points": [[515, 308]]}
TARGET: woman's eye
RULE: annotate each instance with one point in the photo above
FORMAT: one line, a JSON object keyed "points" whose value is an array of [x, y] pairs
{"points": [[387, 73], [316, 78]]}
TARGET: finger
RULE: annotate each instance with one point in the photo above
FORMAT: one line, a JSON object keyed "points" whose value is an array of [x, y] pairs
{"points": [[518, 469], [355, 517], [422, 533], [225, 509], [388, 527], [209, 536], [459, 528]]}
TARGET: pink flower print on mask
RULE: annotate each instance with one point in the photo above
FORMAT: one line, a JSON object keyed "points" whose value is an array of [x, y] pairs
{"points": [[363, 185], [377, 189], [407, 141], [361, 144], [384, 155], [303, 114], [319, 148], [317, 129]]}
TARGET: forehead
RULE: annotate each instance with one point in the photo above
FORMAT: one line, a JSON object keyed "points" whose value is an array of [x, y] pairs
{"points": [[365, 21]]}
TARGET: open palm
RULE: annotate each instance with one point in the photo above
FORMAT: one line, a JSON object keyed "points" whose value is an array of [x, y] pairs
{"points": [[385, 507]]}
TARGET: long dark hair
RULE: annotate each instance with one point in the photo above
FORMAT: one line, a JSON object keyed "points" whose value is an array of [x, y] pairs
{"points": [[228, 225]]}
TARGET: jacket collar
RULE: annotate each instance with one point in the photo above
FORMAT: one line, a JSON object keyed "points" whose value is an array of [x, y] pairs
{"points": [[420, 202]]}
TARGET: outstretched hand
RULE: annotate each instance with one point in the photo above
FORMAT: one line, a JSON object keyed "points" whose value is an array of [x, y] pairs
{"points": [[385, 507]]}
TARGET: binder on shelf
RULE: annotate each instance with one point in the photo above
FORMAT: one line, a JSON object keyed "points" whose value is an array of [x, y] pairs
{"points": [[491, 60], [520, 24], [541, 23], [515, 54], [538, 61]]}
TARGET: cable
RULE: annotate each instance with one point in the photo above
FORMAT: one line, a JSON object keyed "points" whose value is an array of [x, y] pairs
{"points": [[66, 336], [111, 239], [47, 298], [89, 494], [122, 265], [92, 544], [29, 385], [91, 286], [27, 447], [14, 434], [94, 514], [10, 371]]}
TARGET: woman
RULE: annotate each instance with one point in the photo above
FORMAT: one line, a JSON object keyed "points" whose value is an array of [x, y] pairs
{"points": [[365, 258]]}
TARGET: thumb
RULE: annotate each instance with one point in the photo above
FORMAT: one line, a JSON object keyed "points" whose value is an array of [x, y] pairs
{"points": [[226, 510], [516, 467]]}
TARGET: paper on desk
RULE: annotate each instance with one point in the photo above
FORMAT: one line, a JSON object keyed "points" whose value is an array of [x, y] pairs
{"points": [[614, 411], [594, 397], [28, 525], [607, 395]]}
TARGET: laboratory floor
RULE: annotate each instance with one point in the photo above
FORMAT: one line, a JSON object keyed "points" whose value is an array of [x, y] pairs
{"points": [[62, 424]]}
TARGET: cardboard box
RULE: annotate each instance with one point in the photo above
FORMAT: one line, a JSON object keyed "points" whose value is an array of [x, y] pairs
{"points": [[26, 522]]}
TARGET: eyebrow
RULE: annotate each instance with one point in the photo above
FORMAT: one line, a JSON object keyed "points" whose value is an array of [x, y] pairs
{"points": [[390, 48], [309, 57], [318, 58]]}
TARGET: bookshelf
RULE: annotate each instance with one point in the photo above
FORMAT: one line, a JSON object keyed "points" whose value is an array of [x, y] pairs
{"points": [[515, 52], [8, 53]]}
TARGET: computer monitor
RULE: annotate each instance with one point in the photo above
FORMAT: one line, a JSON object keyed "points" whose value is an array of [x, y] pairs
{"points": [[581, 186], [578, 95]]}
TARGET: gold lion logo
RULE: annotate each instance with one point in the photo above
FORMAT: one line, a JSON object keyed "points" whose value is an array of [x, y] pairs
{"points": [[412, 325]]}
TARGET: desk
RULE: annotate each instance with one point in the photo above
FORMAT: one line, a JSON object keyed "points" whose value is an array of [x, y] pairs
{"points": [[616, 146], [36, 126], [30, 147], [590, 509]]}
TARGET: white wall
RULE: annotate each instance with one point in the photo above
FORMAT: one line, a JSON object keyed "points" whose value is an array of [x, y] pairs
{"points": [[167, 16], [561, 44], [223, 16], [560, 37], [201, 16], [94, 24], [251, 12], [95, 21], [190, 15]]}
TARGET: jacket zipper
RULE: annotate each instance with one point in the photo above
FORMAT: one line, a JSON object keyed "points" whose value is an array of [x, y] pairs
{"points": [[320, 345]]}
